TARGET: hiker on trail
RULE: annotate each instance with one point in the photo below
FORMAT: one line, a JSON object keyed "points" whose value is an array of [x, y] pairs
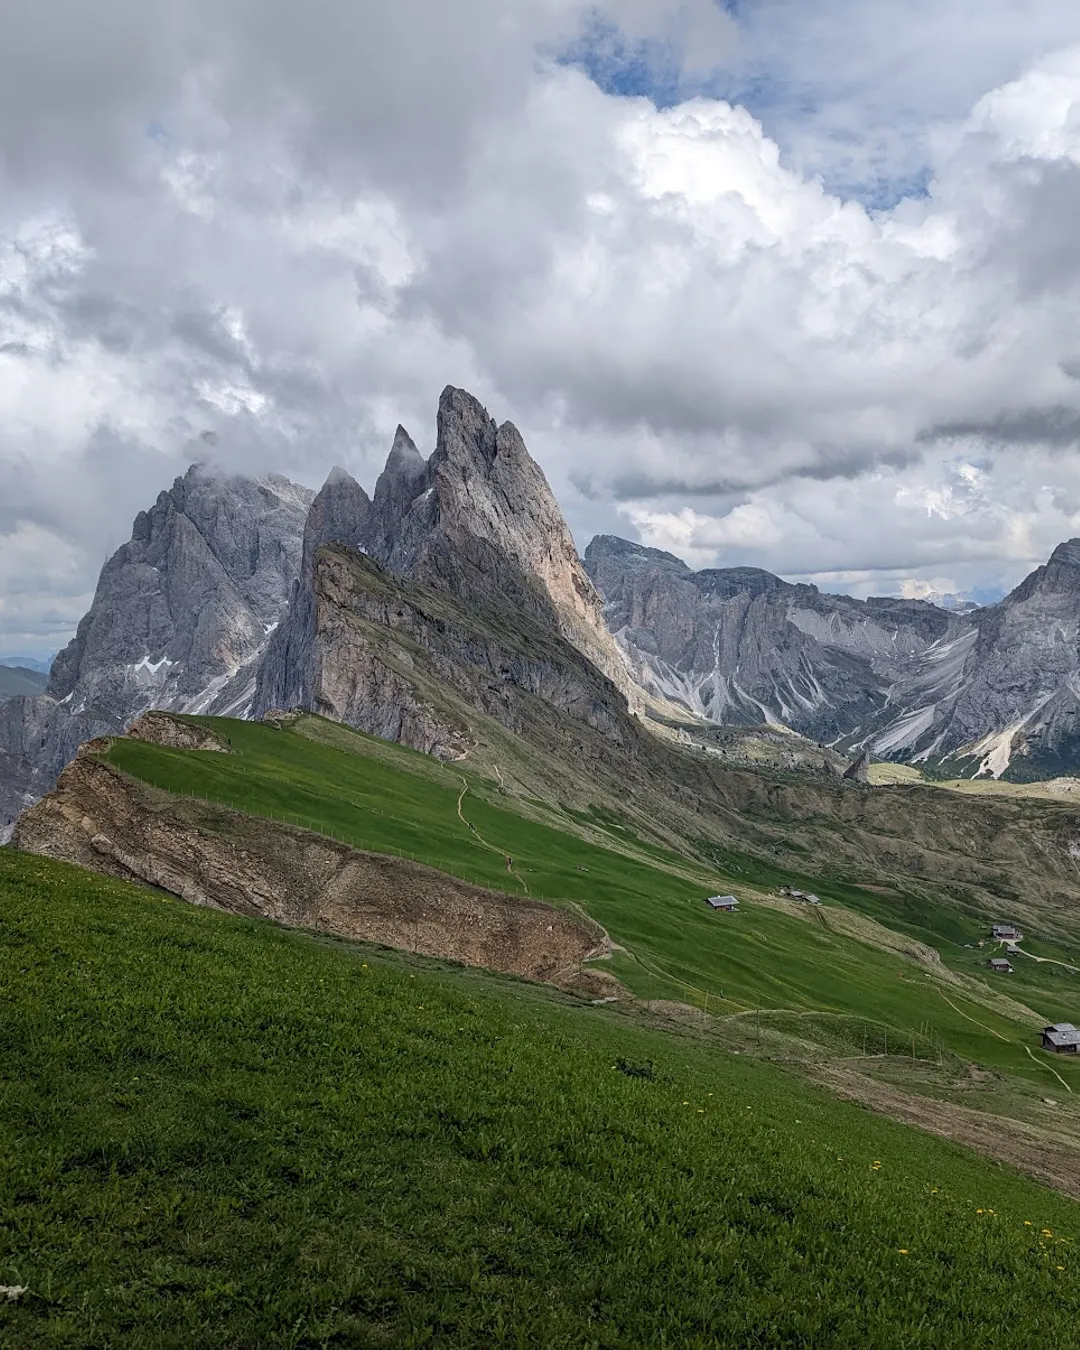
{"points": [[509, 864]]}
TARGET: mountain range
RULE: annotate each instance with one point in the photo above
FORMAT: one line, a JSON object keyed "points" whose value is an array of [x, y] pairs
{"points": [[231, 598], [990, 691]]}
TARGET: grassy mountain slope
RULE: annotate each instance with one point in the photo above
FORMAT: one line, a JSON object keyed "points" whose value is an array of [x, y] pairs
{"points": [[860, 959], [220, 1132]]}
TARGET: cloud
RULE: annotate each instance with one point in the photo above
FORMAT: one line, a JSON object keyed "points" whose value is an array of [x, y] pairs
{"points": [[858, 93], [293, 227]]}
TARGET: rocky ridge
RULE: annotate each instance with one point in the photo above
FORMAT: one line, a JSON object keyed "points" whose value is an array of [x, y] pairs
{"points": [[476, 521], [992, 691], [224, 601], [105, 821]]}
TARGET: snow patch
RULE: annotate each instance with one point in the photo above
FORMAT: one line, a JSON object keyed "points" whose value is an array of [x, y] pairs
{"points": [[151, 666]]}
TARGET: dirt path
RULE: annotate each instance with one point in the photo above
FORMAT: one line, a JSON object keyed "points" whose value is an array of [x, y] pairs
{"points": [[1051, 1069], [1045, 960], [972, 1019], [481, 840]]}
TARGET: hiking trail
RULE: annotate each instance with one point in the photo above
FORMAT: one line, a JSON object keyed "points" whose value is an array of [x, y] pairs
{"points": [[481, 840]]}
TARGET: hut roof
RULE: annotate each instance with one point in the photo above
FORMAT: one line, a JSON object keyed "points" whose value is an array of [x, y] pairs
{"points": [[1062, 1033], [722, 901]]}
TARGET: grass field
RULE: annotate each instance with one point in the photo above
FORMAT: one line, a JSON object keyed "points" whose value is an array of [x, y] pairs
{"points": [[217, 1132], [885, 773], [382, 797]]}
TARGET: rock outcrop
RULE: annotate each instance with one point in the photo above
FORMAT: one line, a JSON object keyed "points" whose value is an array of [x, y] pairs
{"points": [[858, 771], [110, 823], [402, 660], [161, 728]]}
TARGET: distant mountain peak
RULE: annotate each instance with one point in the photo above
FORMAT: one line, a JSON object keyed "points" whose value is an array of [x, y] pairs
{"points": [[614, 546], [404, 457]]}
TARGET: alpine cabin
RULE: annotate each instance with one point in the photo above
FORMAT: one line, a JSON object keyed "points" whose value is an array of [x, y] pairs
{"points": [[1063, 1038], [726, 903]]}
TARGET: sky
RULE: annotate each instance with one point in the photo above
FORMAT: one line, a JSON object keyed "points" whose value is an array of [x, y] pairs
{"points": [[787, 283]]}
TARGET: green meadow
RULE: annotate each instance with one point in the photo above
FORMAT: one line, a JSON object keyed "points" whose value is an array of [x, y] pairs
{"points": [[382, 797], [221, 1133]]}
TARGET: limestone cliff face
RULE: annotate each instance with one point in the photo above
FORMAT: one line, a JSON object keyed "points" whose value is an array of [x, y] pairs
{"points": [[37, 736], [740, 646], [183, 609], [180, 619], [402, 660], [208, 855], [341, 512], [485, 486], [1019, 707]]}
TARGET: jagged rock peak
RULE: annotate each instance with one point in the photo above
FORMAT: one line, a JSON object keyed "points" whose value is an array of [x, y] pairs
{"points": [[206, 570], [340, 512], [338, 475], [466, 432], [401, 478], [180, 617], [401, 482], [404, 456]]}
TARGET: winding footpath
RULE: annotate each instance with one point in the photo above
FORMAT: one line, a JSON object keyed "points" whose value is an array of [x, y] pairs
{"points": [[481, 840]]}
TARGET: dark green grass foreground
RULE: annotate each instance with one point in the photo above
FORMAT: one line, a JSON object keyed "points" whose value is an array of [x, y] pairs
{"points": [[216, 1132]]}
